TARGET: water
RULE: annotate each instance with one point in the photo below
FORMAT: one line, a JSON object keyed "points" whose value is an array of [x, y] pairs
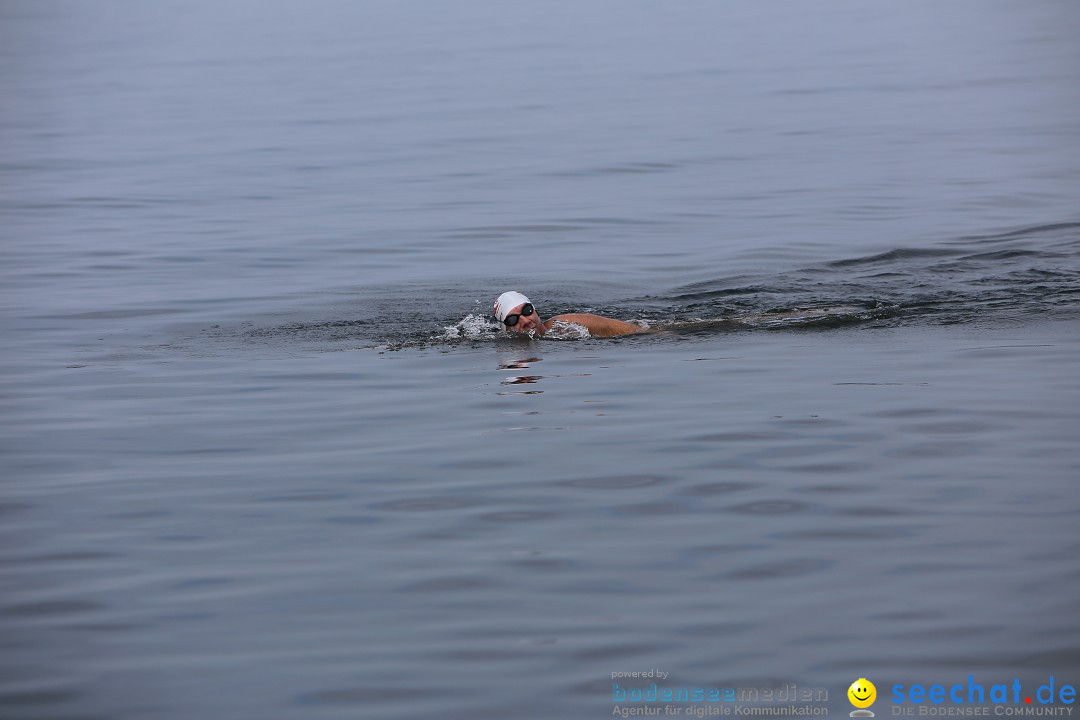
{"points": [[265, 454]]}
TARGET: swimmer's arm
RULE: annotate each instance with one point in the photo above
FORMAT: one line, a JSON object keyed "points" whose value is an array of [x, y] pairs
{"points": [[599, 326]]}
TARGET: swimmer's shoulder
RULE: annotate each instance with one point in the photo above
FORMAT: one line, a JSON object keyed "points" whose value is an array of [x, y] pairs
{"points": [[597, 325]]}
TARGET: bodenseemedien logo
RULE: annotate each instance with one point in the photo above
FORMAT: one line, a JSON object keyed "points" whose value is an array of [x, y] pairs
{"points": [[862, 694]]}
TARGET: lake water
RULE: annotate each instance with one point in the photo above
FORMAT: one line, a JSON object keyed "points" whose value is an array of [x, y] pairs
{"points": [[266, 455]]}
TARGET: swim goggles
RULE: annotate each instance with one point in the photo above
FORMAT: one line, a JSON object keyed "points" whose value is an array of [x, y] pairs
{"points": [[512, 320]]}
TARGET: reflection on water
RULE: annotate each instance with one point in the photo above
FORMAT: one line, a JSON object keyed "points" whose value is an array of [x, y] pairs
{"points": [[519, 364], [522, 379]]}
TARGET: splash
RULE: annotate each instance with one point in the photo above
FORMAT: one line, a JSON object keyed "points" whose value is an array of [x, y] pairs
{"points": [[479, 327], [562, 330], [471, 327]]}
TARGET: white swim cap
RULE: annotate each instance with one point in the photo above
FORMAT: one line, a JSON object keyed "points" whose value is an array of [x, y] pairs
{"points": [[507, 302]]}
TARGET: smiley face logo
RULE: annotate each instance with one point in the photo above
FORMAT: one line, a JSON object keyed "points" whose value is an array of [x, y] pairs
{"points": [[862, 693]]}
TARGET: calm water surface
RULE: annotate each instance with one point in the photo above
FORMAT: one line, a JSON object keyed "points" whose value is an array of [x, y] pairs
{"points": [[265, 455]]}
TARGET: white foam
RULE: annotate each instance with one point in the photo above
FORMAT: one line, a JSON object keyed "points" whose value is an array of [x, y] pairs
{"points": [[472, 327], [562, 330]]}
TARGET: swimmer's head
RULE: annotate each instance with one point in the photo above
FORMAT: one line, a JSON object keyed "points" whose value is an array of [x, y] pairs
{"points": [[516, 313]]}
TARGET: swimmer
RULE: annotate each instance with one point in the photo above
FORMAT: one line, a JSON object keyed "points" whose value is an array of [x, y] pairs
{"points": [[517, 314]]}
